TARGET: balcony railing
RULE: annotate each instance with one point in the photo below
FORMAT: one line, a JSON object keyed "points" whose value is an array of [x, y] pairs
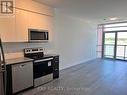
{"points": [[109, 49]]}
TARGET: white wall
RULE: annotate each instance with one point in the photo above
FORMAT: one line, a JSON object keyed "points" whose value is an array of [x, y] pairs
{"points": [[75, 40]]}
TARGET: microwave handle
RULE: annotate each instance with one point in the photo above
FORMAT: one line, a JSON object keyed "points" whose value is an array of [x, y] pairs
{"points": [[46, 34]]}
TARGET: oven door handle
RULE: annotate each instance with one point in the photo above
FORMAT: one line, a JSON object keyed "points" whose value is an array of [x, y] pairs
{"points": [[42, 60]]}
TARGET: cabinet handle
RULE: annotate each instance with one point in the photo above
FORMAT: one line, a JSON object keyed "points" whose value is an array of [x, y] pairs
{"points": [[22, 65]]}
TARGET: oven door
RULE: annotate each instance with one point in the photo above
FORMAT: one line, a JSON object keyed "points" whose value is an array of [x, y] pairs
{"points": [[42, 67]]}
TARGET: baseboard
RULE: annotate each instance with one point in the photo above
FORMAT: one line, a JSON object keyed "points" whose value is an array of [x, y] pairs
{"points": [[77, 63]]}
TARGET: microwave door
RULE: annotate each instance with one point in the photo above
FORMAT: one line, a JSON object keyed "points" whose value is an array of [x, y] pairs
{"points": [[38, 35]]}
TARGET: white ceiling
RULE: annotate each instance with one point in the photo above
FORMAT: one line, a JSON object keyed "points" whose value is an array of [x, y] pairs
{"points": [[91, 9]]}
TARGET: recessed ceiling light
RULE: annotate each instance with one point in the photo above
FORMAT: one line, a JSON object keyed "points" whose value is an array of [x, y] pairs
{"points": [[113, 18]]}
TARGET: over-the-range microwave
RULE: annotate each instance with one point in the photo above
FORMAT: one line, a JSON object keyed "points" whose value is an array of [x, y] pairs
{"points": [[38, 35]]}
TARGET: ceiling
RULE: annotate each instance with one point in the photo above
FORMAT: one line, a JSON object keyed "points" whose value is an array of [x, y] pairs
{"points": [[91, 9]]}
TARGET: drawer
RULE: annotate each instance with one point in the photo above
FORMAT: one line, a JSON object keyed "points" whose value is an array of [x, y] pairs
{"points": [[43, 80]]}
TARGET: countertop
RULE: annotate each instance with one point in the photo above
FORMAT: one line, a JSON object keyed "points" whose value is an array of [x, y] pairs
{"points": [[24, 59], [17, 60]]}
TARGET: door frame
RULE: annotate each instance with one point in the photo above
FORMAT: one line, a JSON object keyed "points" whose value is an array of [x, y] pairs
{"points": [[103, 44], [115, 46]]}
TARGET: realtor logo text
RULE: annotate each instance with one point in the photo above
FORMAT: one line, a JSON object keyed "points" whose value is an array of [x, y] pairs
{"points": [[6, 7]]}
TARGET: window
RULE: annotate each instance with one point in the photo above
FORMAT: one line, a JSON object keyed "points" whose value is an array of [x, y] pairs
{"points": [[118, 50]]}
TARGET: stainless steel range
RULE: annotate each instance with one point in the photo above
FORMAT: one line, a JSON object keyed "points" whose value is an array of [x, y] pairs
{"points": [[42, 65]]}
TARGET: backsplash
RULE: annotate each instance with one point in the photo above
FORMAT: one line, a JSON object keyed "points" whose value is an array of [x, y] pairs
{"points": [[14, 50]]}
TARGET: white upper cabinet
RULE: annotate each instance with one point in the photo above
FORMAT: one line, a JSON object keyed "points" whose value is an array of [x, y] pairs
{"points": [[37, 21], [7, 29], [21, 25]]}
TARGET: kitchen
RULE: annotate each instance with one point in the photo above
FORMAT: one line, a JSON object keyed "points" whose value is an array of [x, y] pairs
{"points": [[31, 27]]}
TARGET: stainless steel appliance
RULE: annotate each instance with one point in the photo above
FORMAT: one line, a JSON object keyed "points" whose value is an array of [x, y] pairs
{"points": [[2, 71], [22, 76], [36, 35], [42, 66]]}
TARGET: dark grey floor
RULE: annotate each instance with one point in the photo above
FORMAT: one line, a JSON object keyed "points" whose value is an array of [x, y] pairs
{"points": [[97, 77]]}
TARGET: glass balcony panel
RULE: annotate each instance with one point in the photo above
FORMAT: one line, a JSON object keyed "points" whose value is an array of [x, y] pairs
{"points": [[120, 51], [109, 50]]}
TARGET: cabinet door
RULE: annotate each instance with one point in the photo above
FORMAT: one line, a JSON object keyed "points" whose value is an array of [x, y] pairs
{"points": [[21, 25], [38, 21], [7, 28]]}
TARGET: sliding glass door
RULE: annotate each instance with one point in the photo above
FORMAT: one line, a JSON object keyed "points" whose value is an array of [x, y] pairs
{"points": [[121, 52], [109, 45], [115, 45]]}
